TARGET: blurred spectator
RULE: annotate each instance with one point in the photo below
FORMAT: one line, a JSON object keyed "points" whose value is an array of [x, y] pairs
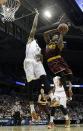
{"points": [[17, 113], [75, 108]]}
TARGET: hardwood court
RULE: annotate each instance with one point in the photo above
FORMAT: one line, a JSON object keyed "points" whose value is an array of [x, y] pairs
{"points": [[41, 128]]}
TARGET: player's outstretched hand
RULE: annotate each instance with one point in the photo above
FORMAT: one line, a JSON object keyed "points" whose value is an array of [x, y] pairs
{"points": [[36, 10]]}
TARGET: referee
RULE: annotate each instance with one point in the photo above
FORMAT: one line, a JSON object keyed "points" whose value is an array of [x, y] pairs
{"points": [[17, 113]]}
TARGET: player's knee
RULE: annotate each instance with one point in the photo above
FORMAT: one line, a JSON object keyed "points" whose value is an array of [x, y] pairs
{"points": [[63, 109], [52, 111], [66, 117]]}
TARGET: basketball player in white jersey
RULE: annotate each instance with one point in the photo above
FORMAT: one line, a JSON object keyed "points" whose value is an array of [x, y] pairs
{"points": [[58, 99], [33, 66]]}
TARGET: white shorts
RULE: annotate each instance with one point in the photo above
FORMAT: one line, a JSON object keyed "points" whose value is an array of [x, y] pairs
{"points": [[62, 100], [33, 69]]}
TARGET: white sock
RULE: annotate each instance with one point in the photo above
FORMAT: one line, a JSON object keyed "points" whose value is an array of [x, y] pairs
{"points": [[66, 117], [32, 108], [51, 119]]}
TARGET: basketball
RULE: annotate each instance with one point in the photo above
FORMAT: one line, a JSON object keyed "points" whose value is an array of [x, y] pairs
{"points": [[54, 103], [35, 115], [63, 28], [2, 1]]}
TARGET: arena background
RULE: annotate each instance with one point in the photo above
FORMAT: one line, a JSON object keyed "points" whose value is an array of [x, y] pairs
{"points": [[13, 37]]}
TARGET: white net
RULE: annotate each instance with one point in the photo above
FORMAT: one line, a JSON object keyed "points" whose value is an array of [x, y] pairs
{"points": [[9, 9]]}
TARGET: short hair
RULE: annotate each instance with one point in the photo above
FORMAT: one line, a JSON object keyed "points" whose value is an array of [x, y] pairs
{"points": [[56, 77]]}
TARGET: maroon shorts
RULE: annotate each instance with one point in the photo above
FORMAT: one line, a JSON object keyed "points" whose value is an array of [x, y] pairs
{"points": [[58, 65]]}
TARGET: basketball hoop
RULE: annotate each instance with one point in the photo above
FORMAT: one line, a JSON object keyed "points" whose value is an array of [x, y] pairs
{"points": [[9, 9]]}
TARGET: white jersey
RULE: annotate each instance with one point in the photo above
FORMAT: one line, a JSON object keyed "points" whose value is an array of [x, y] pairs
{"points": [[32, 50], [32, 64], [59, 95], [59, 92]]}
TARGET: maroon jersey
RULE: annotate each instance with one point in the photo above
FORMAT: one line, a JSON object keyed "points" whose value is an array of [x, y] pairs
{"points": [[51, 52], [56, 63]]}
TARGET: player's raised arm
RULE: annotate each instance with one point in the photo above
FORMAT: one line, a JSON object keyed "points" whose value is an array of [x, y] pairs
{"points": [[34, 27], [17, 5], [47, 35], [62, 29], [60, 42]]}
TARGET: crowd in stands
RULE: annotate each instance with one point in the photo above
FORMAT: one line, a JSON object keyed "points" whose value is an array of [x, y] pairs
{"points": [[75, 108]]}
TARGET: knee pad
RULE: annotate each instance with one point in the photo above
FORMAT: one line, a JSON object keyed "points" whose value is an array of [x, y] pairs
{"points": [[53, 111], [63, 109]]}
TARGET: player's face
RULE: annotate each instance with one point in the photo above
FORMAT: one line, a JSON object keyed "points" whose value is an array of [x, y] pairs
{"points": [[57, 82], [42, 91], [54, 38], [16, 103]]}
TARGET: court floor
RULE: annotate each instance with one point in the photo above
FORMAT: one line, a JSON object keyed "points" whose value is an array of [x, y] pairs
{"points": [[41, 128]]}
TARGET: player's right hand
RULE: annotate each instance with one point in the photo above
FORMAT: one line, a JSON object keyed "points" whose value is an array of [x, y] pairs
{"points": [[36, 10]]}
